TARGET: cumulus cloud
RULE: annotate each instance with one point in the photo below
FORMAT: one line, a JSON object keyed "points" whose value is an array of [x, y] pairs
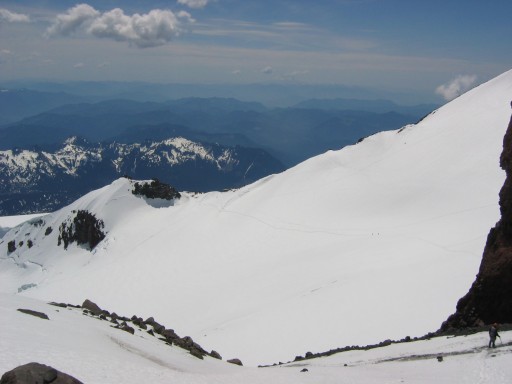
{"points": [[69, 22], [456, 87], [152, 29], [13, 17], [194, 3]]}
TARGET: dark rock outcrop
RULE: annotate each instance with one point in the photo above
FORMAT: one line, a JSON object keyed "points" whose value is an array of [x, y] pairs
{"points": [[35, 373], [125, 327], [11, 246], [235, 361], [85, 229], [93, 307], [156, 190], [490, 297], [169, 336], [41, 315]]}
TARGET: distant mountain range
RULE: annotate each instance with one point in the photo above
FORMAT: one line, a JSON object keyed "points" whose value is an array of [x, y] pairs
{"points": [[42, 181], [19, 103], [376, 106], [116, 135], [290, 134], [272, 95]]}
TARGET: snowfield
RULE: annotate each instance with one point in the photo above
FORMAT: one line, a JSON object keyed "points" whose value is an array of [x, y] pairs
{"points": [[8, 222], [375, 241], [94, 352]]}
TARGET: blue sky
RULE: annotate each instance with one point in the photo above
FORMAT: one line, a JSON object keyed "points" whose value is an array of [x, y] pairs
{"points": [[434, 47]]}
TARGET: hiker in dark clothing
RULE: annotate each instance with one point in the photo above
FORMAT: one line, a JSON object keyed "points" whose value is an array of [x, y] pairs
{"points": [[493, 333]]}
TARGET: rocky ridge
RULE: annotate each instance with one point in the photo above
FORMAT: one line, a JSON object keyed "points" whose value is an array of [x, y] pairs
{"points": [[150, 326], [489, 299]]}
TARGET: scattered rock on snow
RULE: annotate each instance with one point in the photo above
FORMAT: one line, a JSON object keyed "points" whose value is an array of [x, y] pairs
{"points": [[168, 335]]}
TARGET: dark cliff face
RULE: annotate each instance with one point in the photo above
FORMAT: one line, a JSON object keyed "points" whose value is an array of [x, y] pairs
{"points": [[490, 297]]}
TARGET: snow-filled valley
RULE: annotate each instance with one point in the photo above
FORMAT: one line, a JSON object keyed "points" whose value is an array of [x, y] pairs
{"points": [[375, 241], [94, 352]]}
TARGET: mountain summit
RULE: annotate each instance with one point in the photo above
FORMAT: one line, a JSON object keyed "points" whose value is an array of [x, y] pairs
{"points": [[377, 240]]}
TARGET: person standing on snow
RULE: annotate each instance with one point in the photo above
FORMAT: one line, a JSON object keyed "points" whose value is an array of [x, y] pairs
{"points": [[493, 333]]}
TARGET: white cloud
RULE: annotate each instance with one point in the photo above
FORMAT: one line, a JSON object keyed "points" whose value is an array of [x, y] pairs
{"points": [[194, 3], [13, 17], [69, 22], [152, 29], [79, 65], [267, 70], [456, 87]]}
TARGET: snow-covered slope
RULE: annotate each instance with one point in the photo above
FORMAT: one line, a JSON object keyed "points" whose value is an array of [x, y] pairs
{"points": [[8, 222], [94, 352], [375, 241]]}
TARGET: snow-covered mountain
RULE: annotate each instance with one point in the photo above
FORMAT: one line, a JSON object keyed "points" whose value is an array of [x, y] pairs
{"points": [[378, 240], [37, 181]]}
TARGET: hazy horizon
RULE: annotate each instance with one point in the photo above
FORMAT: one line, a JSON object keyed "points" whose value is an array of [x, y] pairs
{"points": [[428, 51]]}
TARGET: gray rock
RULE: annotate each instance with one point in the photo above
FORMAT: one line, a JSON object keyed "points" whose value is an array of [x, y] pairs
{"points": [[92, 307], [125, 327], [235, 361], [35, 373], [41, 315]]}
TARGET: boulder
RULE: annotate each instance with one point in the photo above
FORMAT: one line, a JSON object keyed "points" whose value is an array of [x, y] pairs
{"points": [[125, 327], [235, 361], [92, 307], [150, 321], [158, 328], [169, 334], [35, 373], [196, 353]]}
